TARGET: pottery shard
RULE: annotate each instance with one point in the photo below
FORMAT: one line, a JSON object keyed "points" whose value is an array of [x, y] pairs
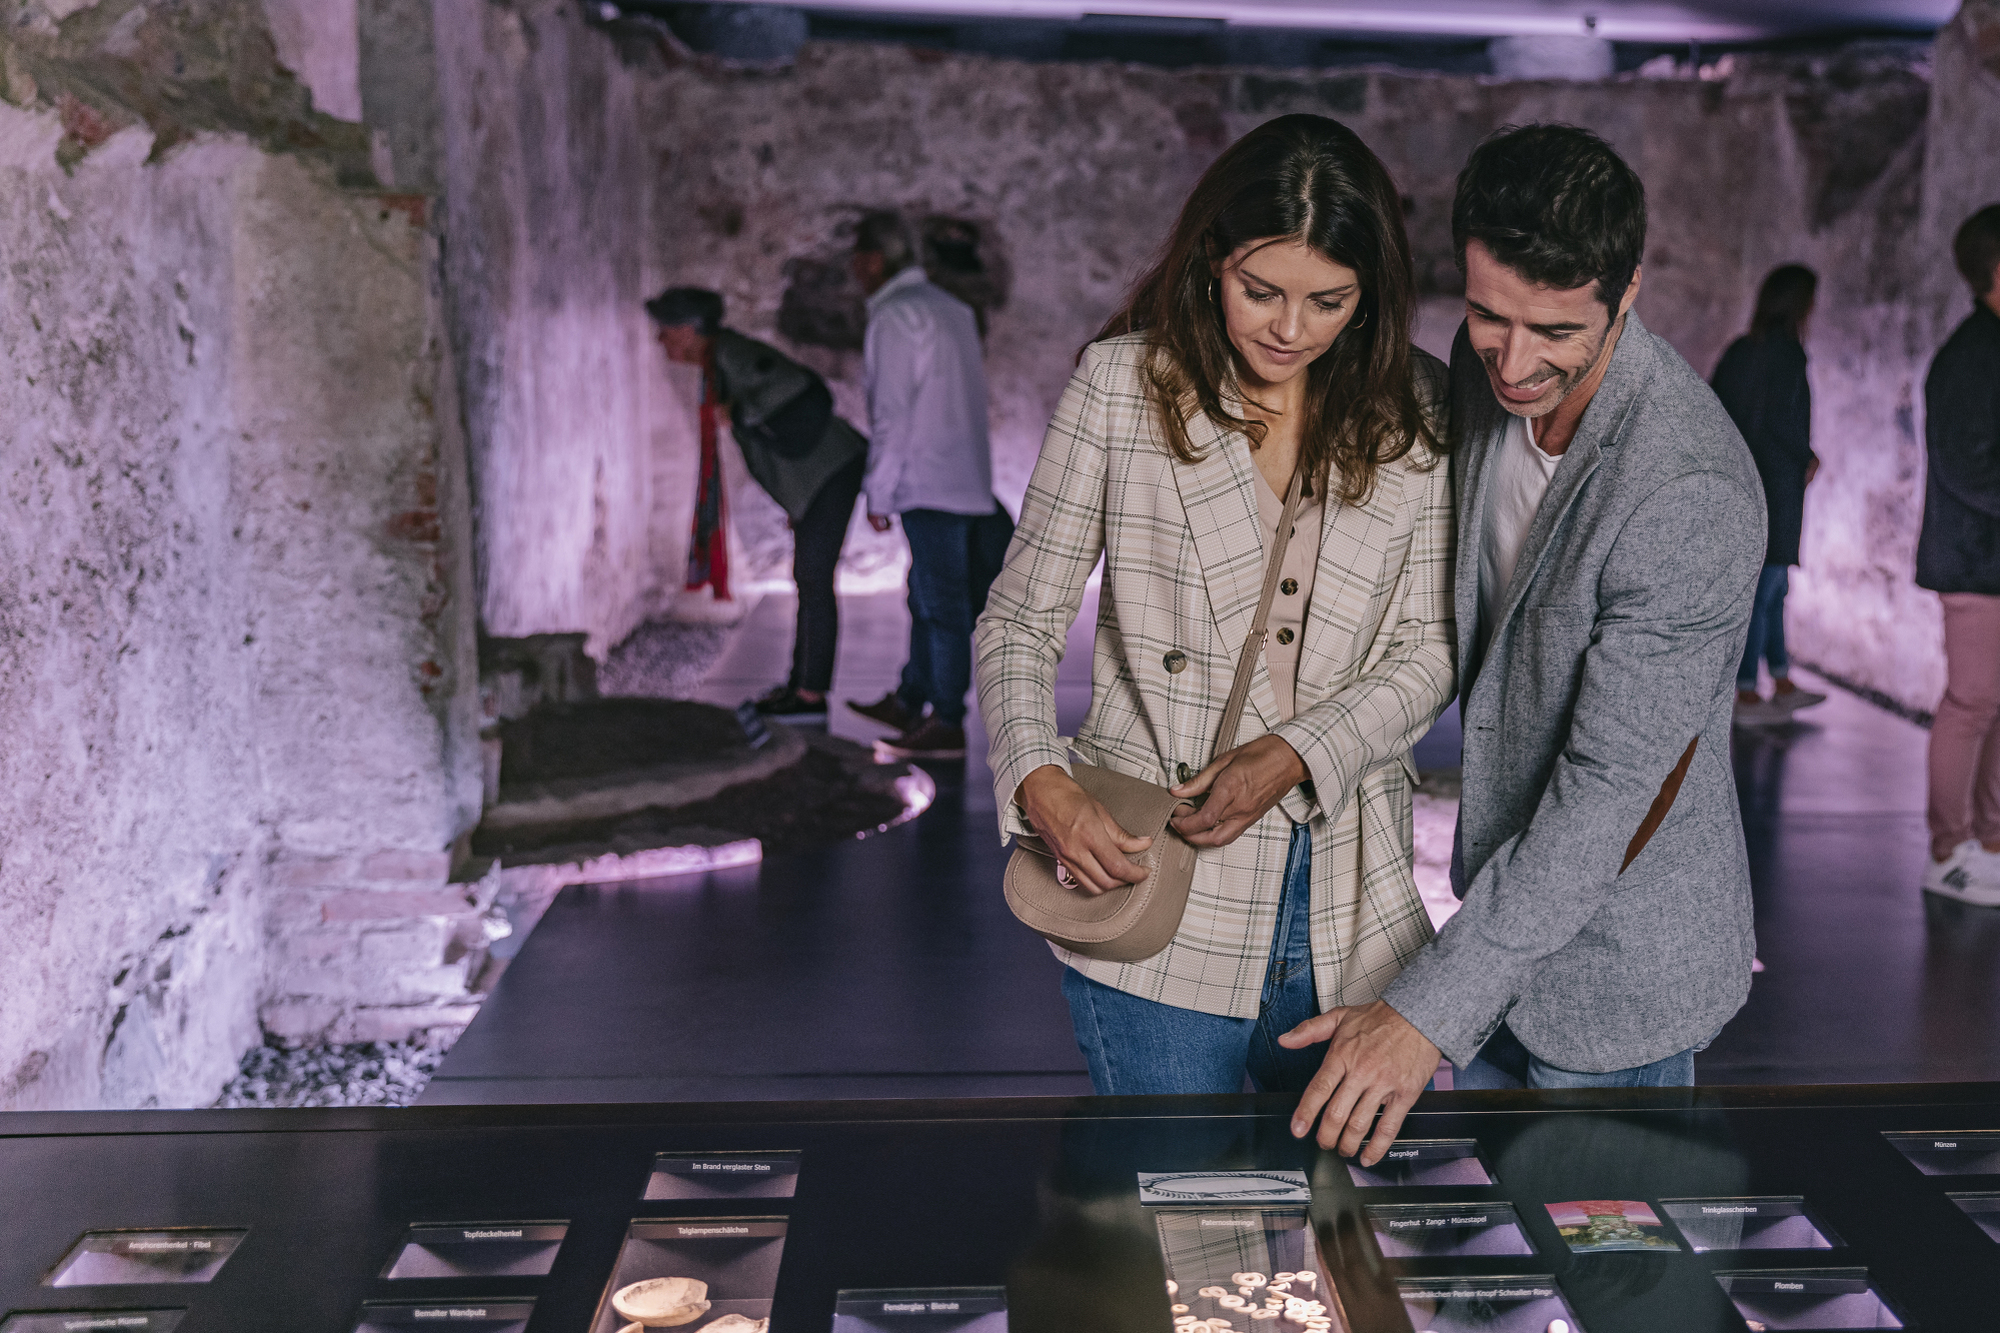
{"points": [[662, 1302], [736, 1323]]}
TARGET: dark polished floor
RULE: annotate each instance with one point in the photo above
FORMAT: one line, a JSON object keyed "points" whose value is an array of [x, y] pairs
{"points": [[890, 967]]}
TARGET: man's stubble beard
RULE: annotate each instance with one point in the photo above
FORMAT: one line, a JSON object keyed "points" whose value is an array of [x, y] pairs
{"points": [[1569, 379]]}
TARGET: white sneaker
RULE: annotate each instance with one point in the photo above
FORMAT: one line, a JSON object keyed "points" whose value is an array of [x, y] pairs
{"points": [[1971, 874]]}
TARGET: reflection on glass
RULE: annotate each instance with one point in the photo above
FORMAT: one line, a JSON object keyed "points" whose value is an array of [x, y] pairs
{"points": [[91, 1321], [1418, 1230], [141, 1258], [1983, 1209], [921, 1310], [1486, 1305], [1772, 1222], [1807, 1299], [724, 1175], [1951, 1152], [1245, 1265], [1224, 1189], [1425, 1162], [508, 1315], [478, 1249], [706, 1267]]}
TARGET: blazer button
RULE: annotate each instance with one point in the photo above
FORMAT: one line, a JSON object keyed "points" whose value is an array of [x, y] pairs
{"points": [[1285, 635], [1182, 773], [1289, 587], [1175, 662]]}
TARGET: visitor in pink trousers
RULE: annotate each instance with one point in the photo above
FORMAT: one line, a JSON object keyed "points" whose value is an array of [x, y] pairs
{"points": [[1958, 557]]}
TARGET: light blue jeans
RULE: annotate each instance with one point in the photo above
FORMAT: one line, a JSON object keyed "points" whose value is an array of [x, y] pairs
{"points": [[1137, 1046], [1503, 1062]]}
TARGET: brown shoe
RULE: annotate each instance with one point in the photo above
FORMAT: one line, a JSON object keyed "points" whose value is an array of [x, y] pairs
{"points": [[929, 739], [889, 711]]}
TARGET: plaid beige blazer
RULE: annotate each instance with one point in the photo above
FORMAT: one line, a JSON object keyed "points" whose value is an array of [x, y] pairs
{"points": [[1184, 561]]}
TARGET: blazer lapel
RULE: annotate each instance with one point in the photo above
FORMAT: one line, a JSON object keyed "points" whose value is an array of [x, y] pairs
{"points": [[1219, 496], [1598, 431], [1475, 448], [1353, 540]]}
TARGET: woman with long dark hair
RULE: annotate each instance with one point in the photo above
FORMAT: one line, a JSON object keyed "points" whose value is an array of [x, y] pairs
{"points": [[1268, 345], [1761, 381]]}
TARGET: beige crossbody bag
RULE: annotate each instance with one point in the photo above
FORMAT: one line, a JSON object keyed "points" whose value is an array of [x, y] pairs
{"points": [[1136, 921]]}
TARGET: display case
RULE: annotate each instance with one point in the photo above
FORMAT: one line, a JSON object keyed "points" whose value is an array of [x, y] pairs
{"points": [[1614, 1211], [704, 1269], [921, 1310], [145, 1258], [478, 1249]]}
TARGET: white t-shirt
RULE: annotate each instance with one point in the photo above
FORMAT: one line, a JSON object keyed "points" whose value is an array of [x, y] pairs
{"points": [[1521, 473]]}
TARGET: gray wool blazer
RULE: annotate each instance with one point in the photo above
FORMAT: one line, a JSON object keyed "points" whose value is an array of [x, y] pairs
{"points": [[1600, 710]]}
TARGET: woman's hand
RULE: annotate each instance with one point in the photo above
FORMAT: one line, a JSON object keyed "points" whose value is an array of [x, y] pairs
{"points": [[1080, 831], [1241, 785]]}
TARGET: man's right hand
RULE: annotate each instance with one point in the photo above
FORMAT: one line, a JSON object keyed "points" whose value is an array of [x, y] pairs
{"points": [[1080, 831]]}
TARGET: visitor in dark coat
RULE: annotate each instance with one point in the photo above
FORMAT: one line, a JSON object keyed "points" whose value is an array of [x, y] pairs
{"points": [[806, 458], [1761, 381]]}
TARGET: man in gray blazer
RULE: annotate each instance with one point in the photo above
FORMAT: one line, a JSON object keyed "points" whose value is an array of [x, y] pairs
{"points": [[1611, 527]]}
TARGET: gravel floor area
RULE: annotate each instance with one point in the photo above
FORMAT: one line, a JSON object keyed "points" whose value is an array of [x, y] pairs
{"points": [[662, 659], [367, 1073]]}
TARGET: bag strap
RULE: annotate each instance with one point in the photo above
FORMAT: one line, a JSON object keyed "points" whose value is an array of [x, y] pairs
{"points": [[1239, 689]]}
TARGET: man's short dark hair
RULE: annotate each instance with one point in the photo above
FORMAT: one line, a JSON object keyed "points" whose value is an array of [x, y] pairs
{"points": [[1555, 204], [886, 234], [688, 305], [1977, 249]]}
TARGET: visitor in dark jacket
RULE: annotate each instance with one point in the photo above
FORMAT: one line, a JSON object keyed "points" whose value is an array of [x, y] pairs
{"points": [[1958, 557], [809, 460], [1761, 381]]}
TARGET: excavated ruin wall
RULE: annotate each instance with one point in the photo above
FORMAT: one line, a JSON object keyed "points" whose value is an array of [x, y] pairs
{"points": [[1072, 172], [548, 223], [236, 641]]}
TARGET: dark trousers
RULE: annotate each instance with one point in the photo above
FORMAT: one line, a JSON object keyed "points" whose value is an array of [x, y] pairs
{"points": [[816, 542], [954, 559]]}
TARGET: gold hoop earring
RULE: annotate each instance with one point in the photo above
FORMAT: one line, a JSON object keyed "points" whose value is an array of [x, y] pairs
{"points": [[1361, 323]]}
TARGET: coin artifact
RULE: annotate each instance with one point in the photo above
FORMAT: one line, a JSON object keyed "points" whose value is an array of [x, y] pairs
{"points": [[662, 1302], [737, 1323]]}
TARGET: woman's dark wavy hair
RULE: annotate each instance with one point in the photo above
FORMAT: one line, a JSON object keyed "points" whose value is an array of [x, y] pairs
{"points": [[1297, 178]]}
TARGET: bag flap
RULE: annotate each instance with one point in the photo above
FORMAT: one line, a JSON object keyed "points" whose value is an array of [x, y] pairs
{"points": [[1141, 808]]}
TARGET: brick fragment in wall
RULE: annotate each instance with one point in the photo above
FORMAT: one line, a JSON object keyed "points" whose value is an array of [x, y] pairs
{"points": [[389, 865], [402, 1022], [380, 904]]}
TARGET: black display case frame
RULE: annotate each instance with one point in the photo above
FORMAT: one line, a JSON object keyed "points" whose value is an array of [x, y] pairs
{"points": [[1038, 1195]]}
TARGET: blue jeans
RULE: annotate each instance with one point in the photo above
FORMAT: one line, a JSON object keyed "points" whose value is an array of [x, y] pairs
{"points": [[1767, 628], [1140, 1046], [954, 559], [1503, 1062]]}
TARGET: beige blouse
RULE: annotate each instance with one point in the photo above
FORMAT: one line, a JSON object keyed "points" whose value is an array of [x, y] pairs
{"points": [[1295, 586]]}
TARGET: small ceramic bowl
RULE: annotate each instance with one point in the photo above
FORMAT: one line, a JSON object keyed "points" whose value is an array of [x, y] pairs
{"points": [[662, 1302]]}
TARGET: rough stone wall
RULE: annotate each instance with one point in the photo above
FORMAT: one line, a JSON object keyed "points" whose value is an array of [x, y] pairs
{"points": [[1855, 609], [1075, 171], [548, 216], [236, 637]]}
